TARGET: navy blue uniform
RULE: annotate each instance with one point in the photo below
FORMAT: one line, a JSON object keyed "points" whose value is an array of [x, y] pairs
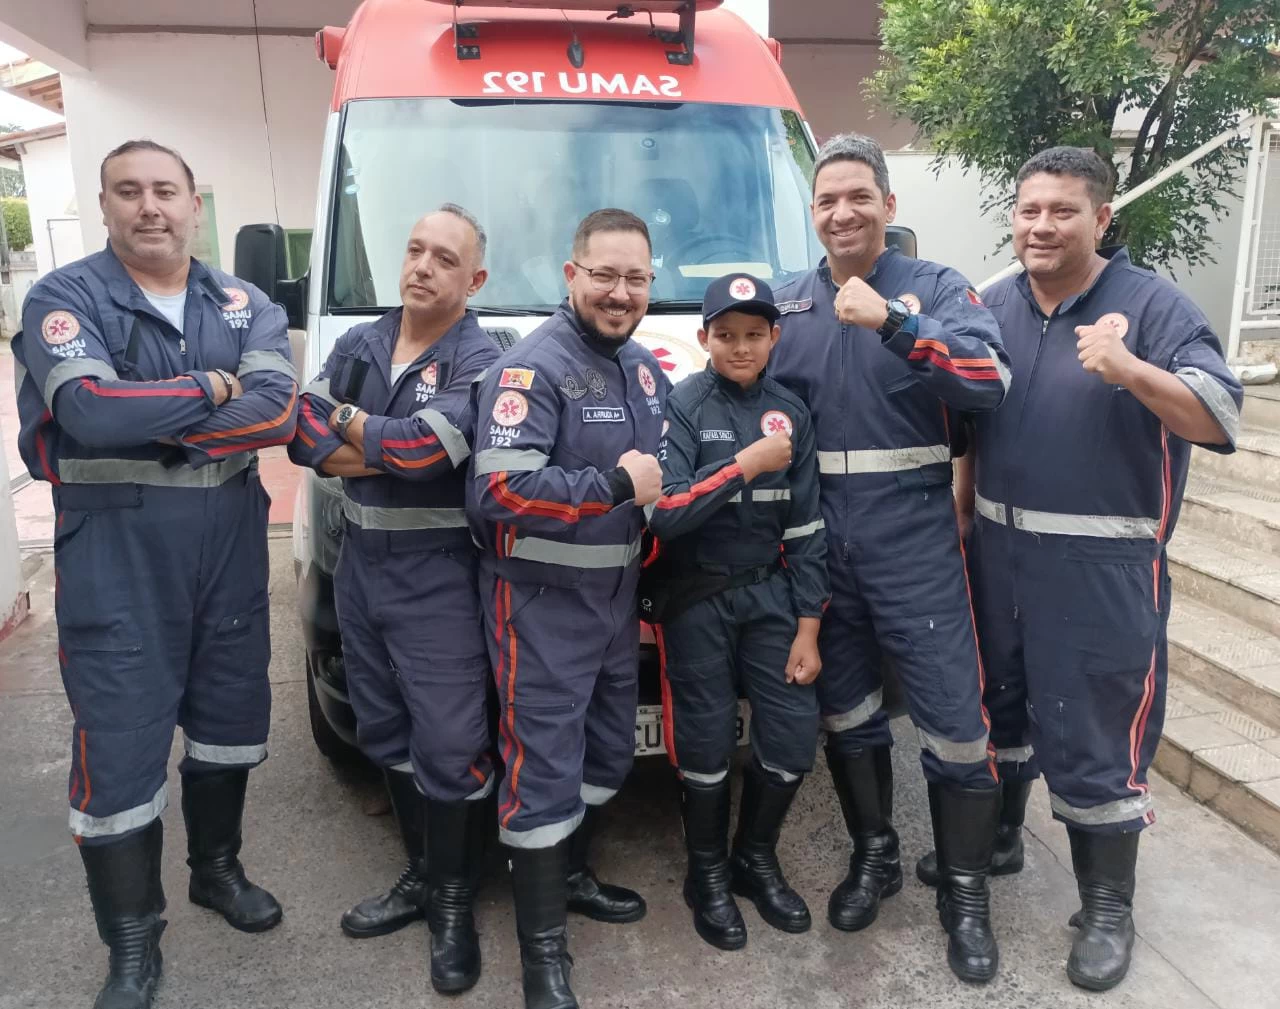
{"points": [[883, 414], [711, 522], [405, 583], [160, 545], [560, 566], [1078, 491]]}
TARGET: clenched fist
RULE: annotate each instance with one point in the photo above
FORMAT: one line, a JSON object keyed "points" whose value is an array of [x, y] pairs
{"points": [[857, 304], [1102, 351], [646, 476], [768, 455]]}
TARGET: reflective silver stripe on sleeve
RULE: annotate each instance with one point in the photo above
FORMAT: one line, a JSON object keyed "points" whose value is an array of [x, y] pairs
{"points": [[705, 779], [1133, 807], [649, 509], [736, 499], [84, 825], [1103, 526], [404, 768], [77, 367], [574, 555], [402, 519], [265, 360], [510, 460], [1215, 398], [211, 753], [483, 791], [771, 495], [319, 388], [541, 837], [992, 510], [882, 460], [857, 716], [153, 474], [1015, 754], [451, 439], [1005, 378], [596, 795], [795, 532], [949, 751]]}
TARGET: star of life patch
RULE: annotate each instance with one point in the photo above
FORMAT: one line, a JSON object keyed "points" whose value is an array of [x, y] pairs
{"points": [[647, 382], [431, 373], [742, 289], [510, 409], [775, 422], [1116, 321], [516, 378], [912, 302], [59, 327], [237, 298]]}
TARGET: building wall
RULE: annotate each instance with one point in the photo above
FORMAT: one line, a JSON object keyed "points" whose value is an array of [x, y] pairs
{"points": [[211, 110], [51, 193]]}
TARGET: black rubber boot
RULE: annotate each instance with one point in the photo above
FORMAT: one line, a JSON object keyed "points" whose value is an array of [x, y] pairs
{"points": [[707, 890], [587, 895], [124, 888], [406, 901], [756, 872], [539, 885], [1105, 866], [213, 805], [1007, 855], [864, 785], [964, 830], [455, 849]]}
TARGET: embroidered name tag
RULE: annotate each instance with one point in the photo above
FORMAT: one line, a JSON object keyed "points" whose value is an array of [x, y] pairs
{"points": [[715, 435], [603, 415], [800, 305]]}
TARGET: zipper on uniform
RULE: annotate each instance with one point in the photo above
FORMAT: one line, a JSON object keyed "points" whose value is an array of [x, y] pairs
{"points": [[182, 345]]}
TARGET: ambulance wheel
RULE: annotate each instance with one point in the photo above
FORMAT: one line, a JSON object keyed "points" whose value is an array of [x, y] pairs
{"points": [[328, 742]]}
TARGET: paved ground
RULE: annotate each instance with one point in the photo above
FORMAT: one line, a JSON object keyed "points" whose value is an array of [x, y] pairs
{"points": [[1207, 908]]}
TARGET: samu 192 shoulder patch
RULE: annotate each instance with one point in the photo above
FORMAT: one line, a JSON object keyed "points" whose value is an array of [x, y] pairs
{"points": [[791, 307], [59, 327]]}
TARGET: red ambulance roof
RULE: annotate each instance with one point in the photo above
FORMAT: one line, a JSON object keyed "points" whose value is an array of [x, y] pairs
{"points": [[405, 48]]}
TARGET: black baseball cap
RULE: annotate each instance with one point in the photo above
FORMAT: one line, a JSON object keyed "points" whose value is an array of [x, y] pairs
{"points": [[739, 292]]}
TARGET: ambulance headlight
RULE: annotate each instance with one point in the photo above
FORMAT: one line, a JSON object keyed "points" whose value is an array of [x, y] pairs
{"points": [[326, 522]]}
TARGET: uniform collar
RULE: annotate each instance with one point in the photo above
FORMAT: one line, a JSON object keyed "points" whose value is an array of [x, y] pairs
{"points": [[384, 332], [126, 293], [1117, 257], [604, 349], [882, 260], [732, 388]]}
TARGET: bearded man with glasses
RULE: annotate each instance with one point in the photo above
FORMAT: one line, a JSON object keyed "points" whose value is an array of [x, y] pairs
{"points": [[568, 424]]}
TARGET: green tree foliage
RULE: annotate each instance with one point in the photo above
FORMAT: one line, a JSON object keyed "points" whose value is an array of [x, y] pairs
{"points": [[11, 180], [990, 82], [17, 222]]}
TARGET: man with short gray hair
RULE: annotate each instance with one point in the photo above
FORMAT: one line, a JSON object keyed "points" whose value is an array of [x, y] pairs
{"points": [[884, 349]]}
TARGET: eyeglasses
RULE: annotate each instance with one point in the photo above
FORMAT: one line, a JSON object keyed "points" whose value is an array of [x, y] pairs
{"points": [[607, 280]]}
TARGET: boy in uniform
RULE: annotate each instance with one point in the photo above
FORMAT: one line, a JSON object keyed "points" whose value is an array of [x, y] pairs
{"points": [[739, 594]]}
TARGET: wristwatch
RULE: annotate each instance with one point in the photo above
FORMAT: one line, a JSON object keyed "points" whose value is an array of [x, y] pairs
{"points": [[226, 380], [343, 418], [899, 312]]}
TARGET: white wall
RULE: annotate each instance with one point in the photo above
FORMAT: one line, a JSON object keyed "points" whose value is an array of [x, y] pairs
{"points": [[212, 112], [51, 31], [46, 166]]}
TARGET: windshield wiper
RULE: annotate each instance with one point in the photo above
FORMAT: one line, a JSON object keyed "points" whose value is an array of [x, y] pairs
{"points": [[674, 306], [511, 310]]}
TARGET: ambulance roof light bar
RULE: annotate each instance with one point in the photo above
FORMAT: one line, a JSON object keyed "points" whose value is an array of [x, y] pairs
{"points": [[467, 47]]}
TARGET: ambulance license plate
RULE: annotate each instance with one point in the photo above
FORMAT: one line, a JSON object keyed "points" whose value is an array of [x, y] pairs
{"points": [[649, 728]]}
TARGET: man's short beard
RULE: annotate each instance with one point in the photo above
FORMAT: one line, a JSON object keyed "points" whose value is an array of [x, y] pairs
{"points": [[595, 334]]}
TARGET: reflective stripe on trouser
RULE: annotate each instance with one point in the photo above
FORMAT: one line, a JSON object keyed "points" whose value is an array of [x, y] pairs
{"points": [[901, 594], [416, 662], [565, 664], [1088, 649], [739, 639], [162, 621]]}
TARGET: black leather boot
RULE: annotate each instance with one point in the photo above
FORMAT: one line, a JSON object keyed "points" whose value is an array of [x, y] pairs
{"points": [[455, 849], [124, 888], [864, 785], [539, 885], [587, 895], [964, 830], [1105, 867], [705, 812], [756, 872], [1007, 855], [406, 901], [213, 805]]}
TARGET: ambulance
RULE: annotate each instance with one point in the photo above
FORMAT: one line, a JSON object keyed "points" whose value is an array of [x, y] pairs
{"points": [[532, 115]]}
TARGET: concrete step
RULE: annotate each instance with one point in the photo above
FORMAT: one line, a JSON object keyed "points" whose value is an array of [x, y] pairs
{"points": [[1224, 758], [1256, 460], [1227, 658], [1245, 514], [1262, 406], [1219, 572]]}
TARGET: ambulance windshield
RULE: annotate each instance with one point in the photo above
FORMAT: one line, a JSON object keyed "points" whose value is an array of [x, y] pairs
{"points": [[721, 187]]}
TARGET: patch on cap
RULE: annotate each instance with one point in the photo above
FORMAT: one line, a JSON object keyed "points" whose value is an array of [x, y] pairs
{"points": [[742, 289]]}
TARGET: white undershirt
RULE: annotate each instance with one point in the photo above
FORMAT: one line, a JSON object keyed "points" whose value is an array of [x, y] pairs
{"points": [[397, 370], [171, 306]]}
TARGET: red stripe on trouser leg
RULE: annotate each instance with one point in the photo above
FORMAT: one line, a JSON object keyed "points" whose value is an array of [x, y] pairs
{"points": [[514, 787]]}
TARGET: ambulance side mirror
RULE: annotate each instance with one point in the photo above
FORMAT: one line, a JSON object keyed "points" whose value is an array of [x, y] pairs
{"points": [[903, 238], [261, 259]]}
